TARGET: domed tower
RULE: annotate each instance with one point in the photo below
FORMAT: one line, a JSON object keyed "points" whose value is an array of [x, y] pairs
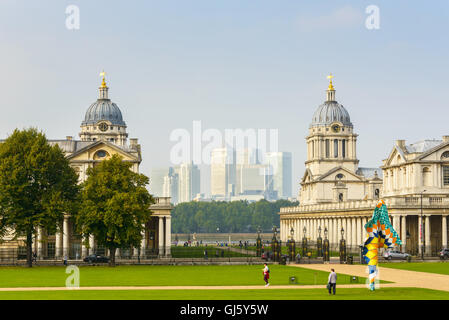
{"points": [[331, 141], [103, 120]]}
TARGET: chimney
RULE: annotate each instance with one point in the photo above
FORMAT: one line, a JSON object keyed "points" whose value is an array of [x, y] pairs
{"points": [[445, 138], [400, 144], [133, 143], [69, 138]]}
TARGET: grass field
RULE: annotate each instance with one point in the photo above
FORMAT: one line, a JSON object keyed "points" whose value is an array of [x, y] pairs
{"points": [[272, 294], [432, 267], [163, 276]]}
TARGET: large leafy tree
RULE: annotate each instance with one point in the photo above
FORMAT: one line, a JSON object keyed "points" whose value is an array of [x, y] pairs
{"points": [[37, 185], [115, 204]]}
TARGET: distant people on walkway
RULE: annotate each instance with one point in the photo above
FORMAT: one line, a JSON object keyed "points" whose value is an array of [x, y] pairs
{"points": [[205, 254], [65, 259], [298, 258], [266, 274], [34, 256], [332, 281]]}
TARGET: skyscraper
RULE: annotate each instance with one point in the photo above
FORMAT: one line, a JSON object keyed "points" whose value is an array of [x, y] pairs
{"points": [[188, 181], [222, 173], [280, 166]]}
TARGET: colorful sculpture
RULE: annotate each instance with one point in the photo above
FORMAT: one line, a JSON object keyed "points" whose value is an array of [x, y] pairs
{"points": [[380, 235]]}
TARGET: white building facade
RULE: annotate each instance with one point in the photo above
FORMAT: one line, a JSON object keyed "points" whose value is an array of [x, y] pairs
{"points": [[337, 194]]}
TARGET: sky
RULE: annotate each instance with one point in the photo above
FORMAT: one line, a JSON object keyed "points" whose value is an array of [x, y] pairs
{"points": [[229, 64]]}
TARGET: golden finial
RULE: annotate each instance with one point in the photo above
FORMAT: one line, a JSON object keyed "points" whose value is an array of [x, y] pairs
{"points": [[103, 82], [331, 87]]}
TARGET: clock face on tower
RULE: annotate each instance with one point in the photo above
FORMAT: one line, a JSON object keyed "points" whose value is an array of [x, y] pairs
{"points": [[336, 128], [103, 126]]}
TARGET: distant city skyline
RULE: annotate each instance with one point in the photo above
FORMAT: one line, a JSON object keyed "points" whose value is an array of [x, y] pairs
{"points": [[257, 65]]}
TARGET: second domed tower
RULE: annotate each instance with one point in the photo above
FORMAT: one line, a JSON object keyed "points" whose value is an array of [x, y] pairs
{"points": [[331, 141]]}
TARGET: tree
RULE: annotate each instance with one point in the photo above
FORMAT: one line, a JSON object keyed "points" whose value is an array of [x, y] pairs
{"points": [[114, 205], [37, 185]]}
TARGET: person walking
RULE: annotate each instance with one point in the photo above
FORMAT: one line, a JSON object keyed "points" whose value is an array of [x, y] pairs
{"points": [[332, 281], [266, 274]]}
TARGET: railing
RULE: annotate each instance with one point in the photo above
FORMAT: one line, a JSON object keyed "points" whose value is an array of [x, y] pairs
{"points": [[368, 204]]}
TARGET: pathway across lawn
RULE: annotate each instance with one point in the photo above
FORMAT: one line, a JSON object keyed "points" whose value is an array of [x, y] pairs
{"points": [[401, 278]]}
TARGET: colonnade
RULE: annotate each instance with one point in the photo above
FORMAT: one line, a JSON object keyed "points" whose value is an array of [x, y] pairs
{"points": [[354, 231], [63, 243]]}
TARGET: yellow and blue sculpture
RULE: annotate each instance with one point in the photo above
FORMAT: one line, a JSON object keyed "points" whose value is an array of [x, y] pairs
{"points": [[381, 234]]}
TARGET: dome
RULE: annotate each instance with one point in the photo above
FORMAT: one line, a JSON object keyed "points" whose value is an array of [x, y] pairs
{"points": [[103, 109], [329, 112]]}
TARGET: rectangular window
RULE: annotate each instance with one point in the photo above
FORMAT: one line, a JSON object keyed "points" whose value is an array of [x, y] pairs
{"points": [[335, 148], [327, 148], [446, 175], [343, 148]]}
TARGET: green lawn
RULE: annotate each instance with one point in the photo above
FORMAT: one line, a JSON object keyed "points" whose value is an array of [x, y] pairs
{"points": [[55, 276], [432, 267], [272, 294]]}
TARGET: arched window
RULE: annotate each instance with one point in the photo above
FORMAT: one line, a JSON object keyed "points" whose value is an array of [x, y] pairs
{"points": [[343, 148], [327, 148], [445, 155], [339, 176], [340, 197], [376, 194]]}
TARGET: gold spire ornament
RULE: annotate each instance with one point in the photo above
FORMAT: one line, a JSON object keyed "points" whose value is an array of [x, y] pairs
{"points": [[331, 87], [103, 82]]}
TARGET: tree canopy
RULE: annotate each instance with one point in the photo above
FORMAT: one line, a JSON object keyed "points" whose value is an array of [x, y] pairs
{"points": [[114, 205], [234, 216], [37, 185]]}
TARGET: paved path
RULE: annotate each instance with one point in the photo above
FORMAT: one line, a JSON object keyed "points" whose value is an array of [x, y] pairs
{"points": [[260, 287], [401, 278]]}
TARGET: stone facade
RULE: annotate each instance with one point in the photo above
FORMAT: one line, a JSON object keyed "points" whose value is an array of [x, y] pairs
{"points": [[336, 194], [103, 134]]}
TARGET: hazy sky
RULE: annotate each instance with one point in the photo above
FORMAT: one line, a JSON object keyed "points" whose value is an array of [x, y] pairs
{"points": [[231, 64]]}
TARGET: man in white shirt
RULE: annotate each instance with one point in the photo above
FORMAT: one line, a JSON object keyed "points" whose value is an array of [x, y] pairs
{"points": [[332, 281]]}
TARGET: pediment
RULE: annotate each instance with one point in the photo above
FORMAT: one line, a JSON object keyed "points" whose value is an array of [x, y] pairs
{"points": [[436, 153], [90, 152], [307, 177], [331, 175], [396, 157]]}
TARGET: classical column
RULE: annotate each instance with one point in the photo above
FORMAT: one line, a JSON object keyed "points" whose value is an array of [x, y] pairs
{"points": [[420, 234], [444, 231], [334, 230], [143, 243], [396, 223], [58, 244], [39, 244], [404, 232], [161, 236], [84, 251], [354, 232], [65, 237], [348, 232], [168, 236], [427, 236], [91, 244], [359, 230]]}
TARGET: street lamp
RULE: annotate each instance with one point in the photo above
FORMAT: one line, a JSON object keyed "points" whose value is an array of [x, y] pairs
{"points": [[292, 232], [342, 232], [325, 232], [319, 231]]}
